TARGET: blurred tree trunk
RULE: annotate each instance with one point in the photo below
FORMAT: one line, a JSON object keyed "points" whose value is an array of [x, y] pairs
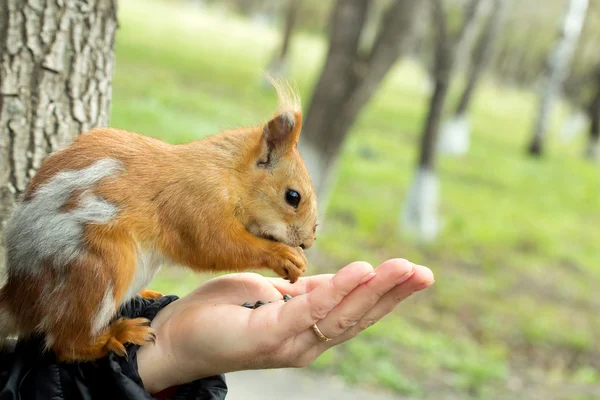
{"points": [[279, 65], [557, 69], [593, 147], [482, 53], [420, 215], [446, 46], [56, 64], [348, 80], [472, 30], [455, 138]]}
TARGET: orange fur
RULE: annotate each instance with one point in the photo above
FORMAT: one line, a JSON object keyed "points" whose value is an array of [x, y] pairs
{"points": [[150, 294], [211, 205]]}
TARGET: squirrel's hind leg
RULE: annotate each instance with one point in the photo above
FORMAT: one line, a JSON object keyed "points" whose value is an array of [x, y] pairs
{"points": [[109, 265], [112, 338]]}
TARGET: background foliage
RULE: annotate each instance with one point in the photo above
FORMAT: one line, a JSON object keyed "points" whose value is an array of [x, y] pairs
{"points": [[514, 307]]}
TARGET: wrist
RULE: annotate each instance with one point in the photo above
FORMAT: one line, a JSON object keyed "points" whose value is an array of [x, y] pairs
{"points": [[154, 369], [161, 368]]}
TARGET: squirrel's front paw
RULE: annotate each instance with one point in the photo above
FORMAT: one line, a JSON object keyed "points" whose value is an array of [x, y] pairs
{"points": [[289, 263]]}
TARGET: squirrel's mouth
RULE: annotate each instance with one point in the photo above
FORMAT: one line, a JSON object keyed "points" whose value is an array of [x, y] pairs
{"points": [[271, 238], [256, 231], [274, 239]]}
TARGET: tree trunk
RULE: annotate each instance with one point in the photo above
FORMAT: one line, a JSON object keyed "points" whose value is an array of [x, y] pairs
{"points": [[56, 64], [334, 86], [475, 15], [482, 54], [290, 21], [279, 65], [444, 59], [557, 69], [429, 137], [456, 132], [349, 79], [593, 147], [574, 124], [421, 214]]}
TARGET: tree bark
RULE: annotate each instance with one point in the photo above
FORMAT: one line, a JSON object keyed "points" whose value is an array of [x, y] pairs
{"points": [[557, 69], [56, 64], [349, 79]]}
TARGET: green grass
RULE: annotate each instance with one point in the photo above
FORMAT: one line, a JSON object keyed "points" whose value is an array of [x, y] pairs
{"points": [[516, 266]]}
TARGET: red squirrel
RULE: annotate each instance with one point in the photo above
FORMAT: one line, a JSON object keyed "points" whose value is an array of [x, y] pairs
{"points": [[101, 215]]}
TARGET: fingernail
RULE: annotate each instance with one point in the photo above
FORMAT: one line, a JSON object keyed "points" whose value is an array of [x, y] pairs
{"points": [[367, 277], [405, 277], [424, 286]]}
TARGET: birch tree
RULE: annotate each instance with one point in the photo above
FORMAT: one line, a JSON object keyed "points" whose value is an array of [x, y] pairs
{"points": [[56, 65], [557, 70], [456, 133], [420, 214]]}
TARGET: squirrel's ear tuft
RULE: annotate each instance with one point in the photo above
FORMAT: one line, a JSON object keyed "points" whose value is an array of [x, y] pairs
{"points": [[279, 136]]}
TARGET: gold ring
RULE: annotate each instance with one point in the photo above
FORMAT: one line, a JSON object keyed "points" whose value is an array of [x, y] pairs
{"points": [[319, 334]]}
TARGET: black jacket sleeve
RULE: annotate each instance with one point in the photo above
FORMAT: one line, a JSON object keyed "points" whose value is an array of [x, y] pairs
{"points": [[27, 372]]}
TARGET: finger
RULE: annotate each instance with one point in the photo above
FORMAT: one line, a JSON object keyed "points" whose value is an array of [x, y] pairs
{"points": [[302, 285], [301, 312], [420, 280], [352, 308]]}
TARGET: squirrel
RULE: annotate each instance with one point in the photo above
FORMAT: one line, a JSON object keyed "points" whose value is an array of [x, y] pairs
{"points": [[102, 215]]}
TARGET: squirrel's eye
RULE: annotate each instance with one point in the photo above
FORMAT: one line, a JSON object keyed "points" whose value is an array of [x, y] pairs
{"points": [[292, 197]]}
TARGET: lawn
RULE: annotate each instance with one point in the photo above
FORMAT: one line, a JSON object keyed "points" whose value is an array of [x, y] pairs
{"points": [[515, 304]]}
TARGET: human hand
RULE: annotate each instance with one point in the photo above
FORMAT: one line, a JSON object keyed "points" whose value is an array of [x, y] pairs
{"points": [[208, 332]]}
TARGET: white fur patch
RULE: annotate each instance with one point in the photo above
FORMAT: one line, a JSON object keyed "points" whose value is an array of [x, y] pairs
{"points": [[105, 312], [49, 341], [38, 231], [149, 262]]}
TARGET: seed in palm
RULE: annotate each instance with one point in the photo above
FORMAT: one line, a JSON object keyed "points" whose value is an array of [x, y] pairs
{"points": [[286, 297], [248, 305]]}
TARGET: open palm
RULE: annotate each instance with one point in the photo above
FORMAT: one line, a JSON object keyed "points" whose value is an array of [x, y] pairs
{"points": [[208, 332]]}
